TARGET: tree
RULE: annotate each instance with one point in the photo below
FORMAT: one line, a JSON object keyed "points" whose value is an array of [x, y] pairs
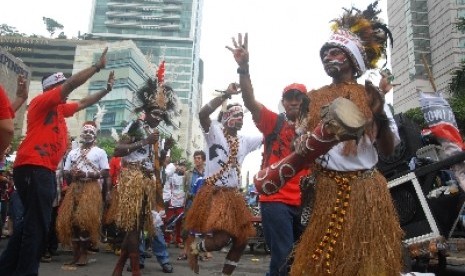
{"points": [[62, 36], [461, 24], [108, 144], [6, 29], [416, 115], [52, 25]]}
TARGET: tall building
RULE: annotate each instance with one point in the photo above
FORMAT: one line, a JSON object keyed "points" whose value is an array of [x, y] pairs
{"points": [[424, 33], [131, 70], [163, 30], [45, 56], [10, 68]]}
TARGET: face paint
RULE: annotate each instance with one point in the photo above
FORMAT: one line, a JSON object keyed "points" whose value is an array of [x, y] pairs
{"points": [[334, 57], [88, 134], [233, 117]]}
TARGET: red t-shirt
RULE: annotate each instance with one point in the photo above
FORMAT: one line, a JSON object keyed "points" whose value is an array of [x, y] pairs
{"points": [[280, 148], [47, 134], [6, 111]]}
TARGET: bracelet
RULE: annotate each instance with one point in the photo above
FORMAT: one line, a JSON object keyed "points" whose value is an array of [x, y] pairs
{"points": [[242, 71], [97, 69], [109, 86]]}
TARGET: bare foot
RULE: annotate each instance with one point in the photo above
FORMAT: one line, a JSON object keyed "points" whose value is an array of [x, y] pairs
{"points": [[193, 257]]}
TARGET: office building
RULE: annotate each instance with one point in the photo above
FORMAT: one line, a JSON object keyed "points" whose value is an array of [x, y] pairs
{"points": [[424, 33], [10, 68], [163, 30]]}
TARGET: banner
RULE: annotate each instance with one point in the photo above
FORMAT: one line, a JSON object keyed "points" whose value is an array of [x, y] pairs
{"points": [[440, 118], [441, 121]]}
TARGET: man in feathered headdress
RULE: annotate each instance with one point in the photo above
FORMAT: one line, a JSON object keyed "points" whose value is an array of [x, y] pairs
{"points": [[353, 228], [139, 180]]}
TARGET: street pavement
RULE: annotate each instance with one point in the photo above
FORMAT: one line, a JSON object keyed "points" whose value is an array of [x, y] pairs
{"points": [[252, 264]]}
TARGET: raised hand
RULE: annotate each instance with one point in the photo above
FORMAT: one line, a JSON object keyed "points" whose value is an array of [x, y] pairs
{"points": [[375, 98], [169, 143], [240, 49], [233, 89], [111, 81], [103, 59], [385, 84], [22, 90]]}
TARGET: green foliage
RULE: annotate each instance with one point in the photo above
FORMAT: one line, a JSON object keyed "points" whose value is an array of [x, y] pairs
{"points": [[461, 24], [416, 115], [176, 153], [62, 36], [10, 31], [108, 144], [457, 83], [458, 107], [52, 25], [15, 143]]}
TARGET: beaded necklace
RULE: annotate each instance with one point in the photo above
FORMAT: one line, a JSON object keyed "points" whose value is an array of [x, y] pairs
{"points": [[233, 143]]}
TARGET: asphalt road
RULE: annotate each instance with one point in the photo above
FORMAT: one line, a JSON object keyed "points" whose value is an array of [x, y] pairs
{"points": [[252, 264]]}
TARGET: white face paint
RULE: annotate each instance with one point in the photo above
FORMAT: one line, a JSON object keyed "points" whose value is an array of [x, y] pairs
{"points": [[88, 134], [233, 117]]}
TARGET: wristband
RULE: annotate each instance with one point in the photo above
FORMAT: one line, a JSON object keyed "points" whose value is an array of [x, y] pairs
{"points": [[97, 69], [242, 71]]}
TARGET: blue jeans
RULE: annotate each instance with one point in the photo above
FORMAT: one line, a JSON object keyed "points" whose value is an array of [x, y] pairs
{"points": [[36, 187], [159, 248], [15, 210], [282, 228]]}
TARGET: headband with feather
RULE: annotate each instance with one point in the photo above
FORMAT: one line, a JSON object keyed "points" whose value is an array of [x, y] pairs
{"points": [[362, 35]]}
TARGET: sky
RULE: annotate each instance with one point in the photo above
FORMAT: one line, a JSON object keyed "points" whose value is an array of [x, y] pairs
{"points": [[284, 41]]}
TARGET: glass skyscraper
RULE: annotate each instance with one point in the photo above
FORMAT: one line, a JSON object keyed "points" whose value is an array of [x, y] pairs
{"points": [[163, 30]]}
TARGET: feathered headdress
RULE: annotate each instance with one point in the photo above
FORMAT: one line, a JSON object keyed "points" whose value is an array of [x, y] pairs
{"points": [[155, 94], [362, 35], [98, 118]]}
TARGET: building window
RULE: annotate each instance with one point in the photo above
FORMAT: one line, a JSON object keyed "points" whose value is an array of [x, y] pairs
{"points": [[462, 42], [460, 2]]}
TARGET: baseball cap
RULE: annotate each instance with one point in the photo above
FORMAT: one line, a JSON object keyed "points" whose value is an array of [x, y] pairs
{"points": [[295, 86], [53, 79]]}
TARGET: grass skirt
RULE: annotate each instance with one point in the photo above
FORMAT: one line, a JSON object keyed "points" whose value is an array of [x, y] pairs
{"points": [[220, 209], [110, 212], [135, 195], [369, 242], [81, 207]]}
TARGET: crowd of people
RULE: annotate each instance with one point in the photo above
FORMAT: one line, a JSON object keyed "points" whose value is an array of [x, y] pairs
{"points": [[324, 207]]}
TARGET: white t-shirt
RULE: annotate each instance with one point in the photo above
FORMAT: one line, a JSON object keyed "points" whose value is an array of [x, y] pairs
{"points": [[97, 156], [217, 153], [143, 154], [367, 155], [173, 190]]}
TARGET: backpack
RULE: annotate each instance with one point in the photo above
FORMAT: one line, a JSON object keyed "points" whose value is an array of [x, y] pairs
{"points": [[271, 138]]}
